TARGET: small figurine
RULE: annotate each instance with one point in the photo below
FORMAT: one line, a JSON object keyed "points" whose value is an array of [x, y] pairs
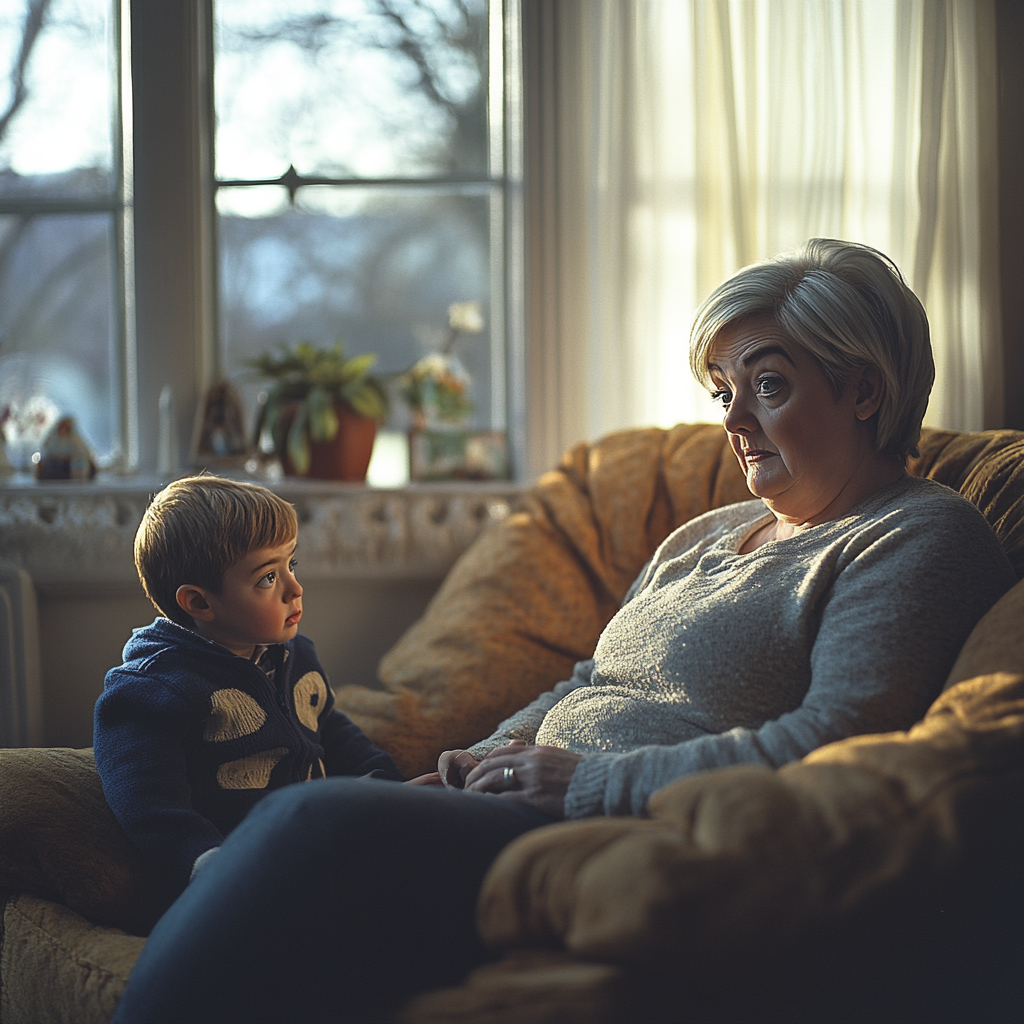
{"points": [[6, 469], [219, 440], [65, 456]]}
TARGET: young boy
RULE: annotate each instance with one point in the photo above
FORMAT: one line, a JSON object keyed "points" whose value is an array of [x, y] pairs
{"points": [[220, 700]]}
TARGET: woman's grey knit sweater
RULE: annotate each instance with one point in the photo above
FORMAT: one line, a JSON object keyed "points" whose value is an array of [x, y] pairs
{"points": [[719, 658]]}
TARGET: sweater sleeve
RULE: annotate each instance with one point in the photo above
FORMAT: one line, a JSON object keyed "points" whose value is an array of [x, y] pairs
{"points": [[139, 727], [897, 616], [348, 750], [523, 725]]}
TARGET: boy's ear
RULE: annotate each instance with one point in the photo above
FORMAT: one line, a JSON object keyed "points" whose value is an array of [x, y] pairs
{"points": [[192, 601]]}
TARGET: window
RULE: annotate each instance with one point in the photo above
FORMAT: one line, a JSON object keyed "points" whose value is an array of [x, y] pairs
{"points": [[359, 155], [64, 345], [348, 178]]}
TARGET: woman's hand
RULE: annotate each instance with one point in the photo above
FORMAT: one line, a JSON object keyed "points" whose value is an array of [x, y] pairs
{"points": [[538, 776], [453, 766]]}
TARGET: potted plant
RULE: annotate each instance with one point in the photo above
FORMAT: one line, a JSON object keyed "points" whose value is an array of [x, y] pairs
{"points": [[322, 410]]}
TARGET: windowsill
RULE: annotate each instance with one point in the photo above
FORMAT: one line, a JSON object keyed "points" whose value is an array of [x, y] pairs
{"points": [[76, 538]]}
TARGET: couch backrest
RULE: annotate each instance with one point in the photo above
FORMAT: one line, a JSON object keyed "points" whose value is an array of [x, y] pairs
{"points": [[986, 468]]}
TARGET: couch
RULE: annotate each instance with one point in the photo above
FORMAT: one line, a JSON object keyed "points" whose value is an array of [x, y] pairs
{"points": [[877, 879]]}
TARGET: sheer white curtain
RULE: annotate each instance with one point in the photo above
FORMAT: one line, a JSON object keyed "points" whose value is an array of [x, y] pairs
{"points": [[675, 141]]}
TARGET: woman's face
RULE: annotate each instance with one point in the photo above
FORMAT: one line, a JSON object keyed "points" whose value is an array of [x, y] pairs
{"points": [[798, 444]]}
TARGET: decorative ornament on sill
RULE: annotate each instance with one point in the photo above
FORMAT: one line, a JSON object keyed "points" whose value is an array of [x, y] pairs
{"points": [[64, 455], [6, 467], [218, 436], [437, 386], [322, 411]]}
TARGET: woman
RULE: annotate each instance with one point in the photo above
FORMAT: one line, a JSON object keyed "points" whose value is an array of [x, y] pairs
{"points": [[833, 605]]}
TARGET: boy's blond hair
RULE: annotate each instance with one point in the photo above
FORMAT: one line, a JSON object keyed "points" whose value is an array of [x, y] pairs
{"points": [[196, 528]]}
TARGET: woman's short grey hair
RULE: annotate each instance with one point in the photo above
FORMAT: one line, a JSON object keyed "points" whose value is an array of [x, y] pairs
{"points": [[848, 306]]}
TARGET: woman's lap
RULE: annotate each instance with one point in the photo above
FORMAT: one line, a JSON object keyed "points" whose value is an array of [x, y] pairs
{"points": [[332, 901]]}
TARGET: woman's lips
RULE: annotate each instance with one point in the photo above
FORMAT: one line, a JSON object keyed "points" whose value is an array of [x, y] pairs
{"points": [[757, 455]]}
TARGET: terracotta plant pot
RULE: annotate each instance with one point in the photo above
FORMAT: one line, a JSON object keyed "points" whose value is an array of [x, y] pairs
{"points": [[346, 457]]}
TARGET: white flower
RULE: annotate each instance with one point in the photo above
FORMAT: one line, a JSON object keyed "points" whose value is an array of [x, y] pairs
{"points": [[466, 316], [433, 365]]}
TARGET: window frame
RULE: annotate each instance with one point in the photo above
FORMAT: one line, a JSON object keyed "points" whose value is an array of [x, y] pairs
{"points": [[175, 219], [124, 455]]}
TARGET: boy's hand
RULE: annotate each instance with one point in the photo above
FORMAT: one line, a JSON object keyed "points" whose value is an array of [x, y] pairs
{"points": [[430, 779]]}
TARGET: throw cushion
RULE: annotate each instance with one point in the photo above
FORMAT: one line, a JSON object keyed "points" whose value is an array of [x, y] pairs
{"points": [[60, 841], [547, 987], [58, 968]]}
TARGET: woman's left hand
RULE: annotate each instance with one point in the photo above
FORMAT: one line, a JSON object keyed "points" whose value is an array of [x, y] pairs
{"points": [[538, 776]]}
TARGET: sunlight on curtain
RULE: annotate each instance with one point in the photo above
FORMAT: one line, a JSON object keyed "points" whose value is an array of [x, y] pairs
{"points": [[712, 133]]}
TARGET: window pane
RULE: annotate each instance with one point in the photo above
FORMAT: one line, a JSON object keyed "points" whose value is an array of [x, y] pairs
{"points": [[372, 267], [351, 88], [56, 133], [57, 335]]}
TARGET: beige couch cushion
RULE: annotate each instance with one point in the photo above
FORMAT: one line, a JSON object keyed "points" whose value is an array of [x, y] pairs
{"points": [[58, 968], [60, 841], [533, 594]]}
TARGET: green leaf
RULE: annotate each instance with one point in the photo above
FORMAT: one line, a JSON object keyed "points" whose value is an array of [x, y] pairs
{"points": [[358, 367], [323, 423], [298, 443], [369, 400]]}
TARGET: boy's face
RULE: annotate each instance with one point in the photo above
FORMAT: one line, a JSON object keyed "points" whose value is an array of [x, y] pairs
{"points": [[260, 602]]}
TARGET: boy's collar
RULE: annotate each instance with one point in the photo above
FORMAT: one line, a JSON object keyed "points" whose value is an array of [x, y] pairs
{"points": [[162, 621]]}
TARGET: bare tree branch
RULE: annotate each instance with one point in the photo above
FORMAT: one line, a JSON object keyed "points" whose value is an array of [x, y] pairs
{"points": [[34, 18], [310, 33]]}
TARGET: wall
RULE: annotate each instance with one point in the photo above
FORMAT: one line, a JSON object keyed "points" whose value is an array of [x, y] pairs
{"points": [[352, 622]]}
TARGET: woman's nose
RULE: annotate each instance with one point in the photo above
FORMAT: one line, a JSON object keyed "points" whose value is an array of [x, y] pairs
{"points": [[738, 418]]}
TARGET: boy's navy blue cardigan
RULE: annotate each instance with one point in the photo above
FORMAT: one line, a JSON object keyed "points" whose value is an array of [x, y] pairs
{"points": [[188, 737]]}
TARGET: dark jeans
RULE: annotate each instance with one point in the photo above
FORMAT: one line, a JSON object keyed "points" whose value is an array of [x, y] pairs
{"points": [[334, 900]]}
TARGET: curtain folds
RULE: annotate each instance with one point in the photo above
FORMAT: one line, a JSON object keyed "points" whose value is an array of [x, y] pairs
{"points": [[680, 140]]}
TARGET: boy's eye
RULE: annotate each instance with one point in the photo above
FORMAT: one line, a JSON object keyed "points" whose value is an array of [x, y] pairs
{"points": [[266, 582], [722, 395], [293, 564]]}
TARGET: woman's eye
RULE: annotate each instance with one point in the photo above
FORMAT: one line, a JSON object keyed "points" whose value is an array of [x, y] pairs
{"points": [[722, 396], [267, 581], [768, 386]]}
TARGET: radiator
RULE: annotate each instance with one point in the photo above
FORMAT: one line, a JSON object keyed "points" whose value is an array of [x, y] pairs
{"points": [[21, 702]]}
